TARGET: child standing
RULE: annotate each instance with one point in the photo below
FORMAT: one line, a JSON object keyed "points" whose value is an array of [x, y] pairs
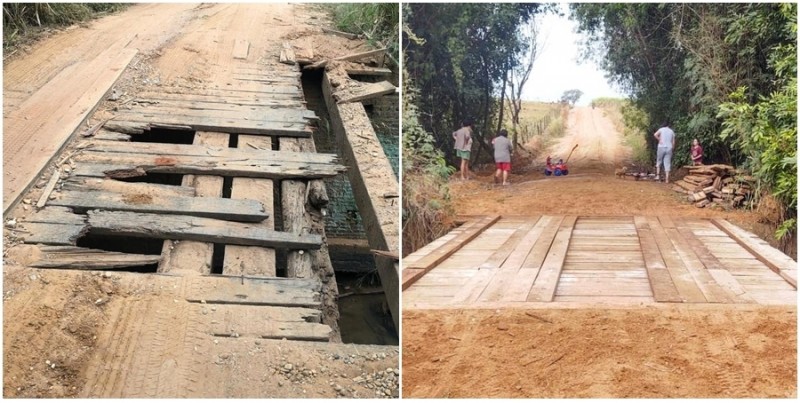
{"points": [[697, 153], [502, 155]]}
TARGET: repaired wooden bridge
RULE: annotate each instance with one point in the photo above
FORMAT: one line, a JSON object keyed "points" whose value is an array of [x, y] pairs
{"points": [[493, 261]]}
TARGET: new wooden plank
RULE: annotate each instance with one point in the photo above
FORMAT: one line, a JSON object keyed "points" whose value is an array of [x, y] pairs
{"points": [[194, 257], [249, 150], [594, 301], [41, 126], [115, 186], [252, 260], [571, 273], [250, 291], [219, 208], [579, 247], [364, 92], [432, 260], [711, 290], [267, 322], [544, 288], [516, 248], [622, 266], [241, 47], [519, 289], [133, 165], [195, 229], [771, 257], [680, 275], [70, 257], [728, 280]]}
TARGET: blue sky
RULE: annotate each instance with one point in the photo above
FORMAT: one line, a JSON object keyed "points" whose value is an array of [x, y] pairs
{"points": [[558, 68]]}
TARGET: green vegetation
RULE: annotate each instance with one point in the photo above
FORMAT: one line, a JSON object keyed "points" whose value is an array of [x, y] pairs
{"points": [[378, 22], [571, 96], [722, 73], [21, 20]]}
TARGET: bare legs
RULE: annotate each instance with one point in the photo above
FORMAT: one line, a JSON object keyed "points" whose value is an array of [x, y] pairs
{"points": [[464, 169]]}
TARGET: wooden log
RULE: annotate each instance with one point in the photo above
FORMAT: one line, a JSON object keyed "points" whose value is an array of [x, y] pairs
{"points": [[195, 229], [695, 197], [368, 71], [717, 183], [219, 208], [364, 92], [51, 184], [702, 203], [317, 195], [70, 257], [351, 57], [708, 190], [685, 185], [728, 190]]}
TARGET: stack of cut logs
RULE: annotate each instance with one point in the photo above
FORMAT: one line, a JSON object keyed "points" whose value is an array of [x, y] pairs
{"points": [[715, 185]]}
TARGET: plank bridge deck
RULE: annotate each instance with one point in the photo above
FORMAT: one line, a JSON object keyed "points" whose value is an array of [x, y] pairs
{"points": [[492, 262], [256, 133]]}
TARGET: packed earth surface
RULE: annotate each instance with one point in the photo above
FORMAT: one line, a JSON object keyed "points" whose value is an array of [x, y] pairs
{"points": [[57, 322], [668, 351]]}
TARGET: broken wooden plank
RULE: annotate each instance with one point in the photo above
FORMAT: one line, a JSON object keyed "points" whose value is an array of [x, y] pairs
{"points": [[363, 92], [70, 257], [253, 291], [252, 260], [51, 184], [251, 152], [776, 260], [195, 111], [219, 208], [287, 54], [351, 57], [367, 71], [50, 233], [657, 274], [195, 229], [134, 123], [340, 33], [268, 322], [134, 165], [56, 215], [241, 48], [544, 288], [109, 185]]}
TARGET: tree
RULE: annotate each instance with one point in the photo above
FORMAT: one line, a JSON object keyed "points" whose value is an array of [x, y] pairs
{"points": [[519, 75], [571, 97]]}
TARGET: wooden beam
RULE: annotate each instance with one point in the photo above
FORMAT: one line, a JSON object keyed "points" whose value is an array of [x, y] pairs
{"points": [[56, 215], [70, 257], [287, 54], [776, 260], [219, 208], [109, 185], [544, 288], [133, 123], [268, 322], [660, 281], [50, 233], [367, 71], [363, 92], [351, 57], [195, 229], [254, 291], [680, 275]]}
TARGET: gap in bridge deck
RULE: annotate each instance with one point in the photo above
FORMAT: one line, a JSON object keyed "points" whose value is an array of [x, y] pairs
{"points": [[164, 136], [124, 244]]}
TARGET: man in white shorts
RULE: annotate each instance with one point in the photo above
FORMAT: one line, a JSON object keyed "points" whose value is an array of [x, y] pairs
{"points": [[666, 143]]}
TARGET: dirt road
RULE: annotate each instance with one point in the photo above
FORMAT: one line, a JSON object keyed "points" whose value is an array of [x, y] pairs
{"points": [[627, 352], [73, 333]]}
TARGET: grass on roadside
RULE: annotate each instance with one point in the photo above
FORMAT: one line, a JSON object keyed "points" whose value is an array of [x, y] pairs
{"points": [[378, 22], [628, 120]]}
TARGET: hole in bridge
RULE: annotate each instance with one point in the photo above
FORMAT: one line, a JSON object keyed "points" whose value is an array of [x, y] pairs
{"points": [[124, 244], [157, 178], [165, 136]]}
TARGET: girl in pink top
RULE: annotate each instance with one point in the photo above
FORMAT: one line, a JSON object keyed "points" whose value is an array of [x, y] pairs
{"points": [[697, 153]]}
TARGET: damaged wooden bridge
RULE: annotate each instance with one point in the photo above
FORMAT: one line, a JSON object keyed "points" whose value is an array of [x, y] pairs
{"points": [[493, 262]]}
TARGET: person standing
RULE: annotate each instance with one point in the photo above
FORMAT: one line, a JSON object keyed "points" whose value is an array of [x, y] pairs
{"points": [[697, 153], [502, 155], [463, 138], [666, 143]]}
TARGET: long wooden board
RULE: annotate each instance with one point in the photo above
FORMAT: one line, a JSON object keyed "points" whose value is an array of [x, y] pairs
{"points": [[413, 272], [661, 283], [369, 91], [195, 229], [250, 291], [544, 288], [219, 208], [681, 277], [267, 322], [136, 123], [500, 286], [773, 258], [70, 257], [82, 184]]}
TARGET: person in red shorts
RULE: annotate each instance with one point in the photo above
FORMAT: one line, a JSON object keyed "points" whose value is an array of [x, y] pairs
{"points": [[502, 156]]}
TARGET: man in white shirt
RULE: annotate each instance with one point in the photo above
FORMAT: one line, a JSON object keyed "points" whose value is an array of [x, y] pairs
{"points": [[666, 143]]}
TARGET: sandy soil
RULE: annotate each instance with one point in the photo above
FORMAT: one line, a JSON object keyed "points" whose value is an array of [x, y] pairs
{"points": [[675, 351], [54, 326]]}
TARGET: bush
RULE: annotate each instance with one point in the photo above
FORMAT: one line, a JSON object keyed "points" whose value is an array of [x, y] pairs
{"points": [[377, 21]]}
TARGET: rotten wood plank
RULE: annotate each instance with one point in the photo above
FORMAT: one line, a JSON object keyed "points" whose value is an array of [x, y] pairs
{"points": [[195, 229], [70, 257], [135, 123], [56, 215], [50, 233], [78, 183], [253, 291], [351, 57], [268, 322], [219, 208], [368, 71], [364, 92], [51, 184]]}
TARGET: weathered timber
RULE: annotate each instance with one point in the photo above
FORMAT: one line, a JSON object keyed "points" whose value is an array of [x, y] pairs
{"points": [[317, 195], [223, 209], [241, 47], [109, 185], [70, 257], [340, 33], [190, 111], [352, 57], [368, 71], [109, 135], [287, 54], [254, 291], [50, 233], [51, 184], [252, 260], [363, 92], [230, 320], [371, 177], [132, 165], [175, 99], [298, 264], [56, 215], [252, 152], [195, 229], [134, 123]]}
